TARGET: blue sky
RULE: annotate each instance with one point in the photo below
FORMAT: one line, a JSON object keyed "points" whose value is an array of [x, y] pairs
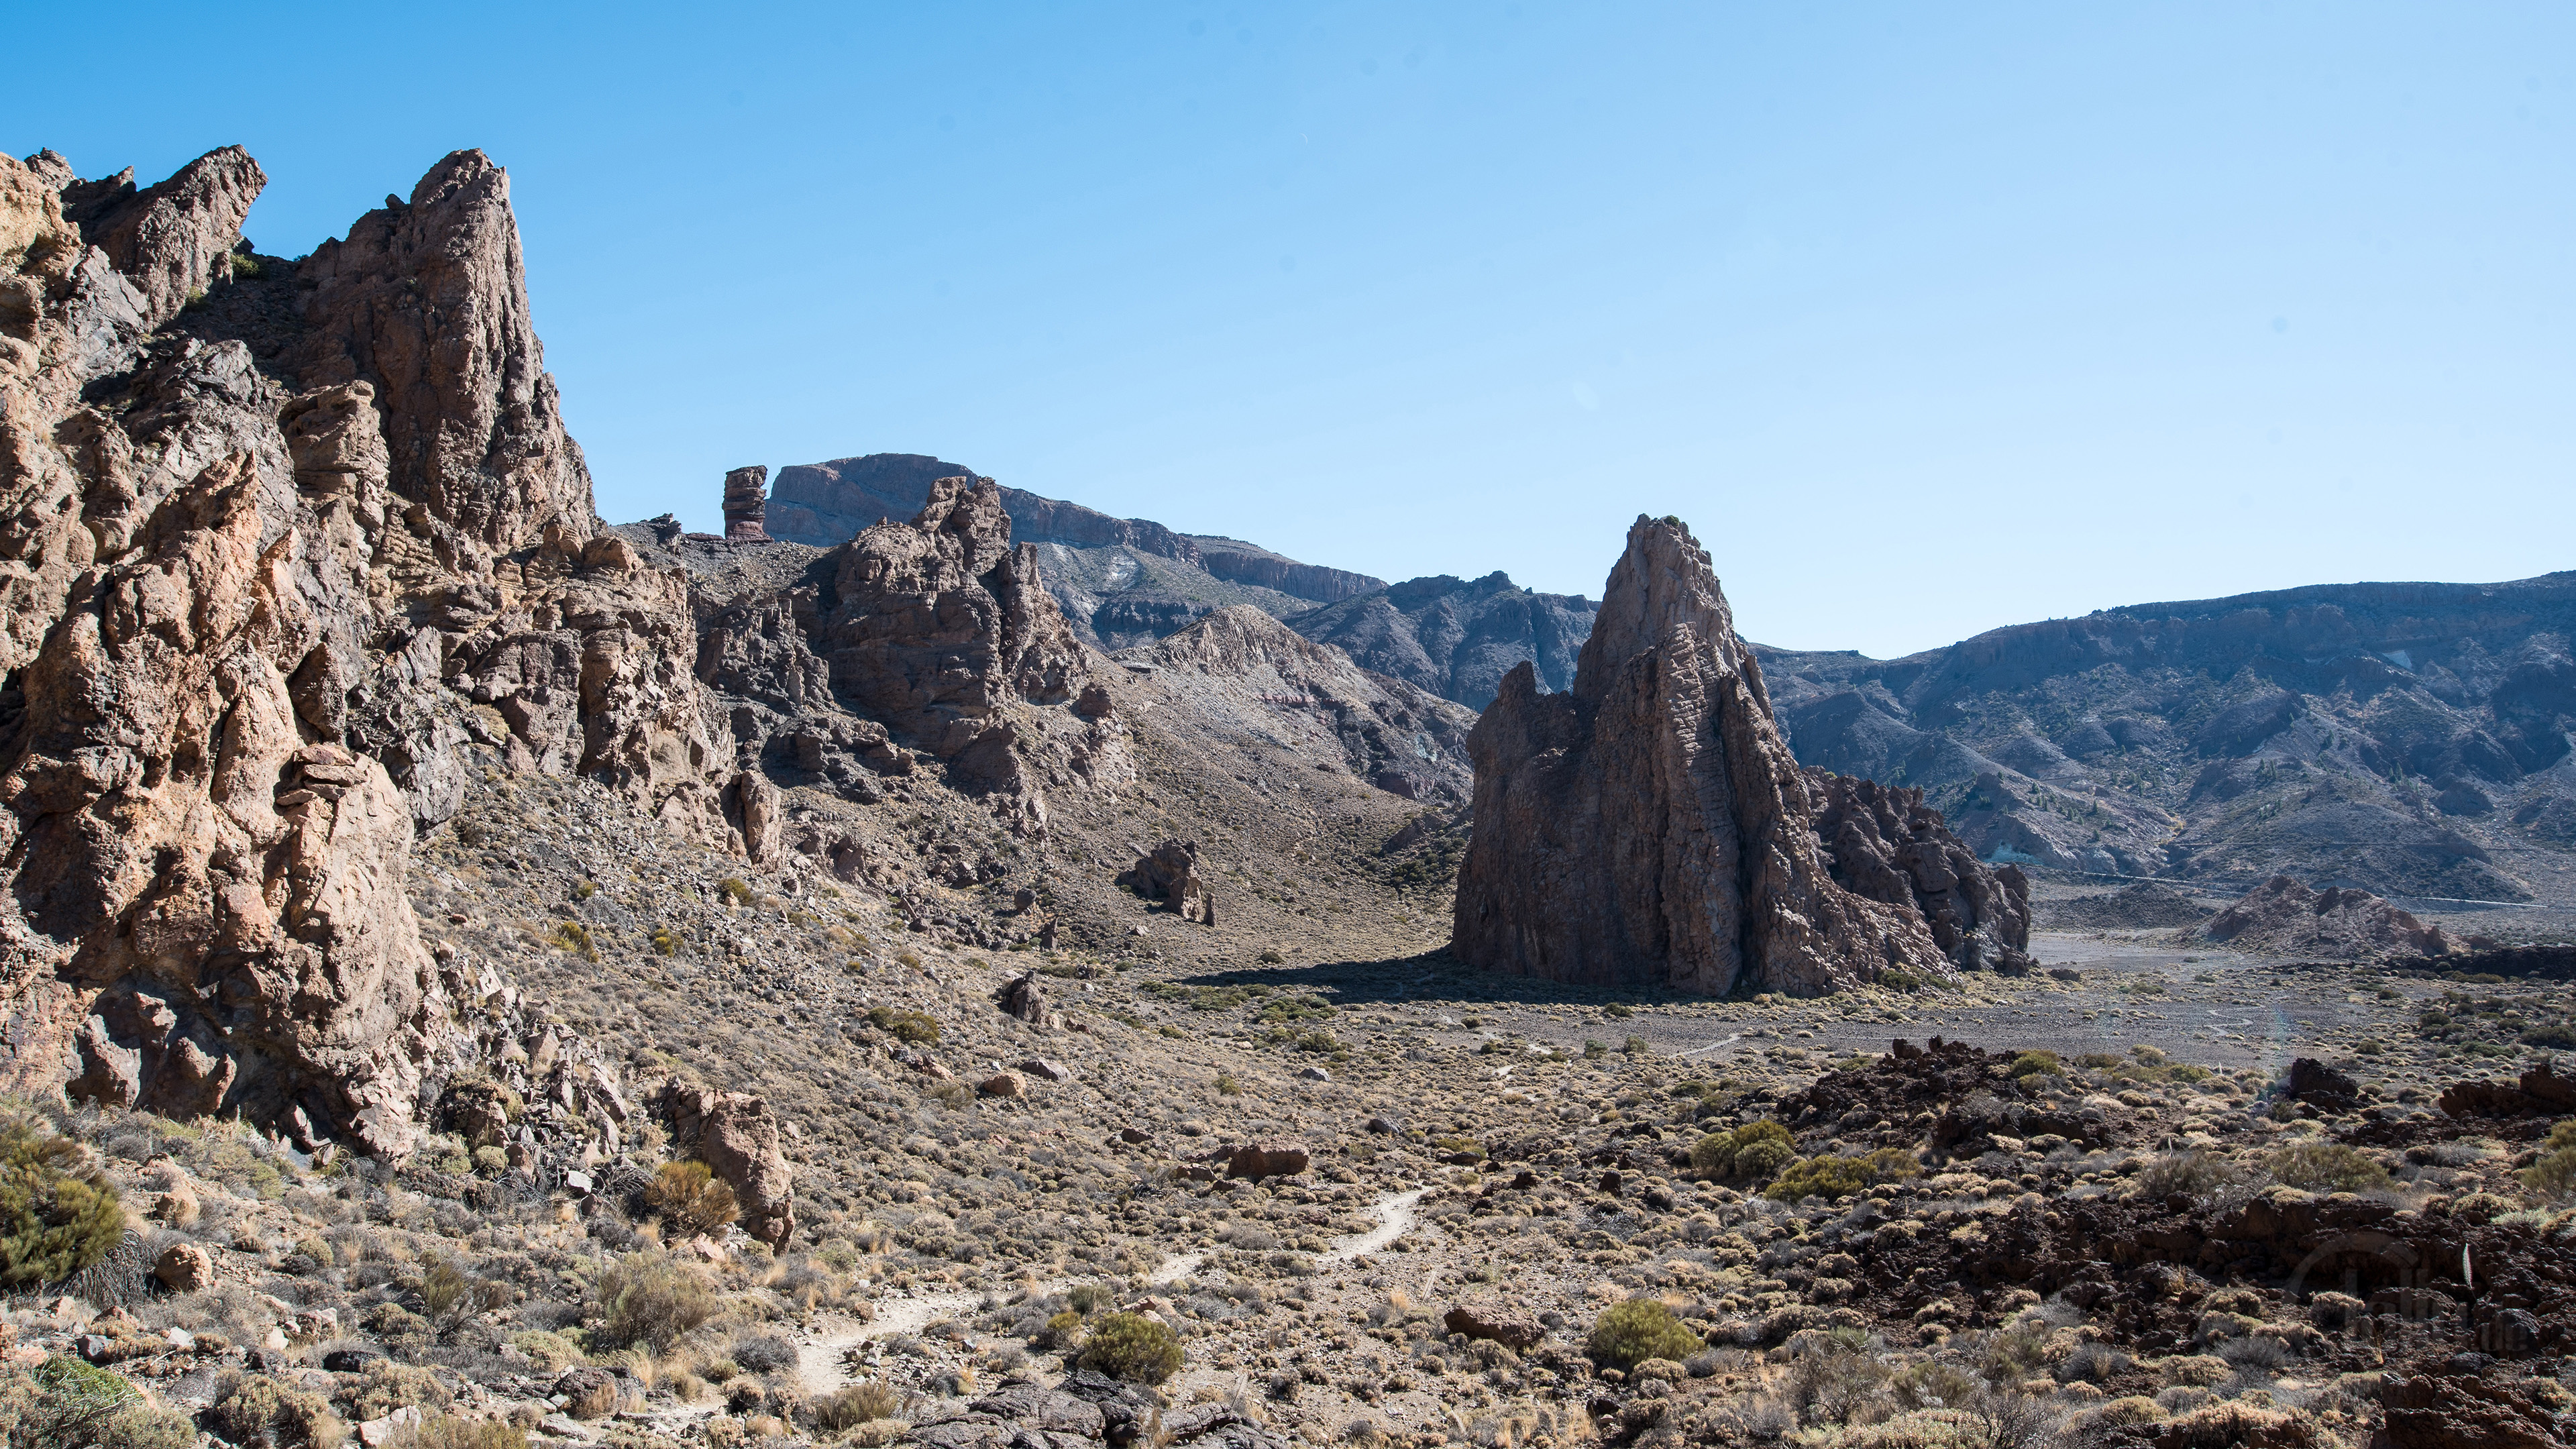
{"points": [[1929, 319]]}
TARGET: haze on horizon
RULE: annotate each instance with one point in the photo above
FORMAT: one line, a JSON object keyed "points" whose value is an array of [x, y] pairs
{"points": [[1927, 322]]}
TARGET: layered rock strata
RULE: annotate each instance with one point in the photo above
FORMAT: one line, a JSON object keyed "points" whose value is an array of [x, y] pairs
{"points": [[1649, 826], [746, 504]]}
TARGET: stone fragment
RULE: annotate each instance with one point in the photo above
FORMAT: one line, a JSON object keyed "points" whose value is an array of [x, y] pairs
{"points": [[1002, 1084], [588, 1393], [185, 1268], [1267, 1159], [1513, 1328], [1047, 1069], [2321, 1086]]}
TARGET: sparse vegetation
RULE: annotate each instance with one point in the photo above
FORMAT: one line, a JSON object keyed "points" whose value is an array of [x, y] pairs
{"points": [[1130, 1346], [1631, 1332], [58, 1214]]}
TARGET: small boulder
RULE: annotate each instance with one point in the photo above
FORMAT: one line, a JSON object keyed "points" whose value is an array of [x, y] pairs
{"points": [[1268, 1159], [1513, 1328], [186, 1268], [1314, 1074], [2322, 1087], [588, 1393], [1002, 1084], [1047, 1069]]}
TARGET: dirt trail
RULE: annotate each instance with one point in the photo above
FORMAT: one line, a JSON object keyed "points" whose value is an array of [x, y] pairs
{"points": [[818, 1353]]}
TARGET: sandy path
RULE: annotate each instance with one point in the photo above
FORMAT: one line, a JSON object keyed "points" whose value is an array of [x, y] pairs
{"points": [[818, 1353]]}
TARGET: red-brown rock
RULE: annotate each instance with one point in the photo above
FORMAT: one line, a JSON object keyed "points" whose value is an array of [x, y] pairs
{"points": [[2282, 915]]}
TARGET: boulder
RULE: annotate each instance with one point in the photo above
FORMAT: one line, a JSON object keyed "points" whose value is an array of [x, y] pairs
{"points": [[2321, 1086], [1650, 824], [2541, 1092], [1002, 1084], [1513, 1328], [1170, 873], [588, 1393], [1267, 1159], [1024, 998], [185, 1268], [1047, 1069], [735, 1135]]}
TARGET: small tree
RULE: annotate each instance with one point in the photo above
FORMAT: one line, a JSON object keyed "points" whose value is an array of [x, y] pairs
{"points": [[58, 1215]]}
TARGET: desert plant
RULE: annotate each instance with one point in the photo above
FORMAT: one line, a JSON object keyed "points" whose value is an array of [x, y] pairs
{"points": [[58, 1214], [453, 1295], [1631, 1332], [387, 1386], [255, 1404], [905, 1026], [735, 890], [2035, 1063], [2328, 1167], [647, 1299], [445, 1431], [764, 1353], [1764, 1147], [2190, 1174], [690, 1198], [1835, 1177], [860, 1403], [1130, 1346]]}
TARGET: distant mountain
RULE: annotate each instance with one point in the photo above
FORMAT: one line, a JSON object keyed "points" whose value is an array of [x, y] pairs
{"points": [[2409, 738], [1120, 581], [1455, 637]]}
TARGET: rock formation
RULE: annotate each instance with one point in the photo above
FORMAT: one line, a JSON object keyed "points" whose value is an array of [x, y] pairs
{"points": [[1170, 873], [746, 504], [2282, 915], [1883, 842], [290, 534], [1649, 826], [736, 1136]]}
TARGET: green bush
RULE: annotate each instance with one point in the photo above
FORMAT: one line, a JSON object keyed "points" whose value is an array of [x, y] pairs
{"points": [[256, 1404], [906, 1026], [388, 1386], [2193, 1174], [2328, 1167], [647, 1299], [1842, 1176], [1627, 1334], [1130, 1346], [452, 1295], [65, 1402], [1756, 1148], [58, 1215], [2554, 1171], [691, 1198], [2031, 1064]]}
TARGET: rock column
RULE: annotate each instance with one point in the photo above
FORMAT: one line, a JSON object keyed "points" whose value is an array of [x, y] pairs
{"points": [[746, 504]]}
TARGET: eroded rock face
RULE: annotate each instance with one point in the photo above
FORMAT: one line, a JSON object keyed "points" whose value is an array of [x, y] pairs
{"points": [[736, 1136], [1649, 826], [2284, 915], [247, 623], [1883, 842], [746, 504]]}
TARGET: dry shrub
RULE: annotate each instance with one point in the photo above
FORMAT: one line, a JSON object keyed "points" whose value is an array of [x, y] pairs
{"points": [[690, 1198], [648, 1299], [860, 1403]]}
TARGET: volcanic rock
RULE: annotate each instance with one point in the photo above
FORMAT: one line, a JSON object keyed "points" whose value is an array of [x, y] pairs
{"points": [[2282, 915], [185, 1268], [173, 240], [736, 1136], [2141, 906], [1650, 825], [2541, 1092], [1170, 873], [1511, 1327], [1267, 1159], [2321, 1086], [746, 504], [1884, 843]]}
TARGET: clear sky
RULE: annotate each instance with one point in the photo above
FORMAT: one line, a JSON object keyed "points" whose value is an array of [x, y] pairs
{"points": [[1929, 319]]}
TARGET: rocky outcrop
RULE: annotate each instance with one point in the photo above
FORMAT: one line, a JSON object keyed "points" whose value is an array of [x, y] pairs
{"points": [[2540, 1092], [280, 557], [2282, 915], [1235, 561], [746, 505], [1883, 842], [736, 1136], [1170, 873], [174, 240], [1649, 826], [1457, 637]]}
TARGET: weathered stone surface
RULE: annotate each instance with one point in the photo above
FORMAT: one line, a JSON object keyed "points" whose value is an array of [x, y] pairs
{"points": [[746, 504], [1268, 1159], [736, 1136], [174, 240], [2473, 1411], [427, 299], [2321, 1086], [1513, 1328], [1170, 873], [2283, 915], [1883, 842], [1023, 997], [1650, 826], [2541, 1092], [185, 1268]]}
